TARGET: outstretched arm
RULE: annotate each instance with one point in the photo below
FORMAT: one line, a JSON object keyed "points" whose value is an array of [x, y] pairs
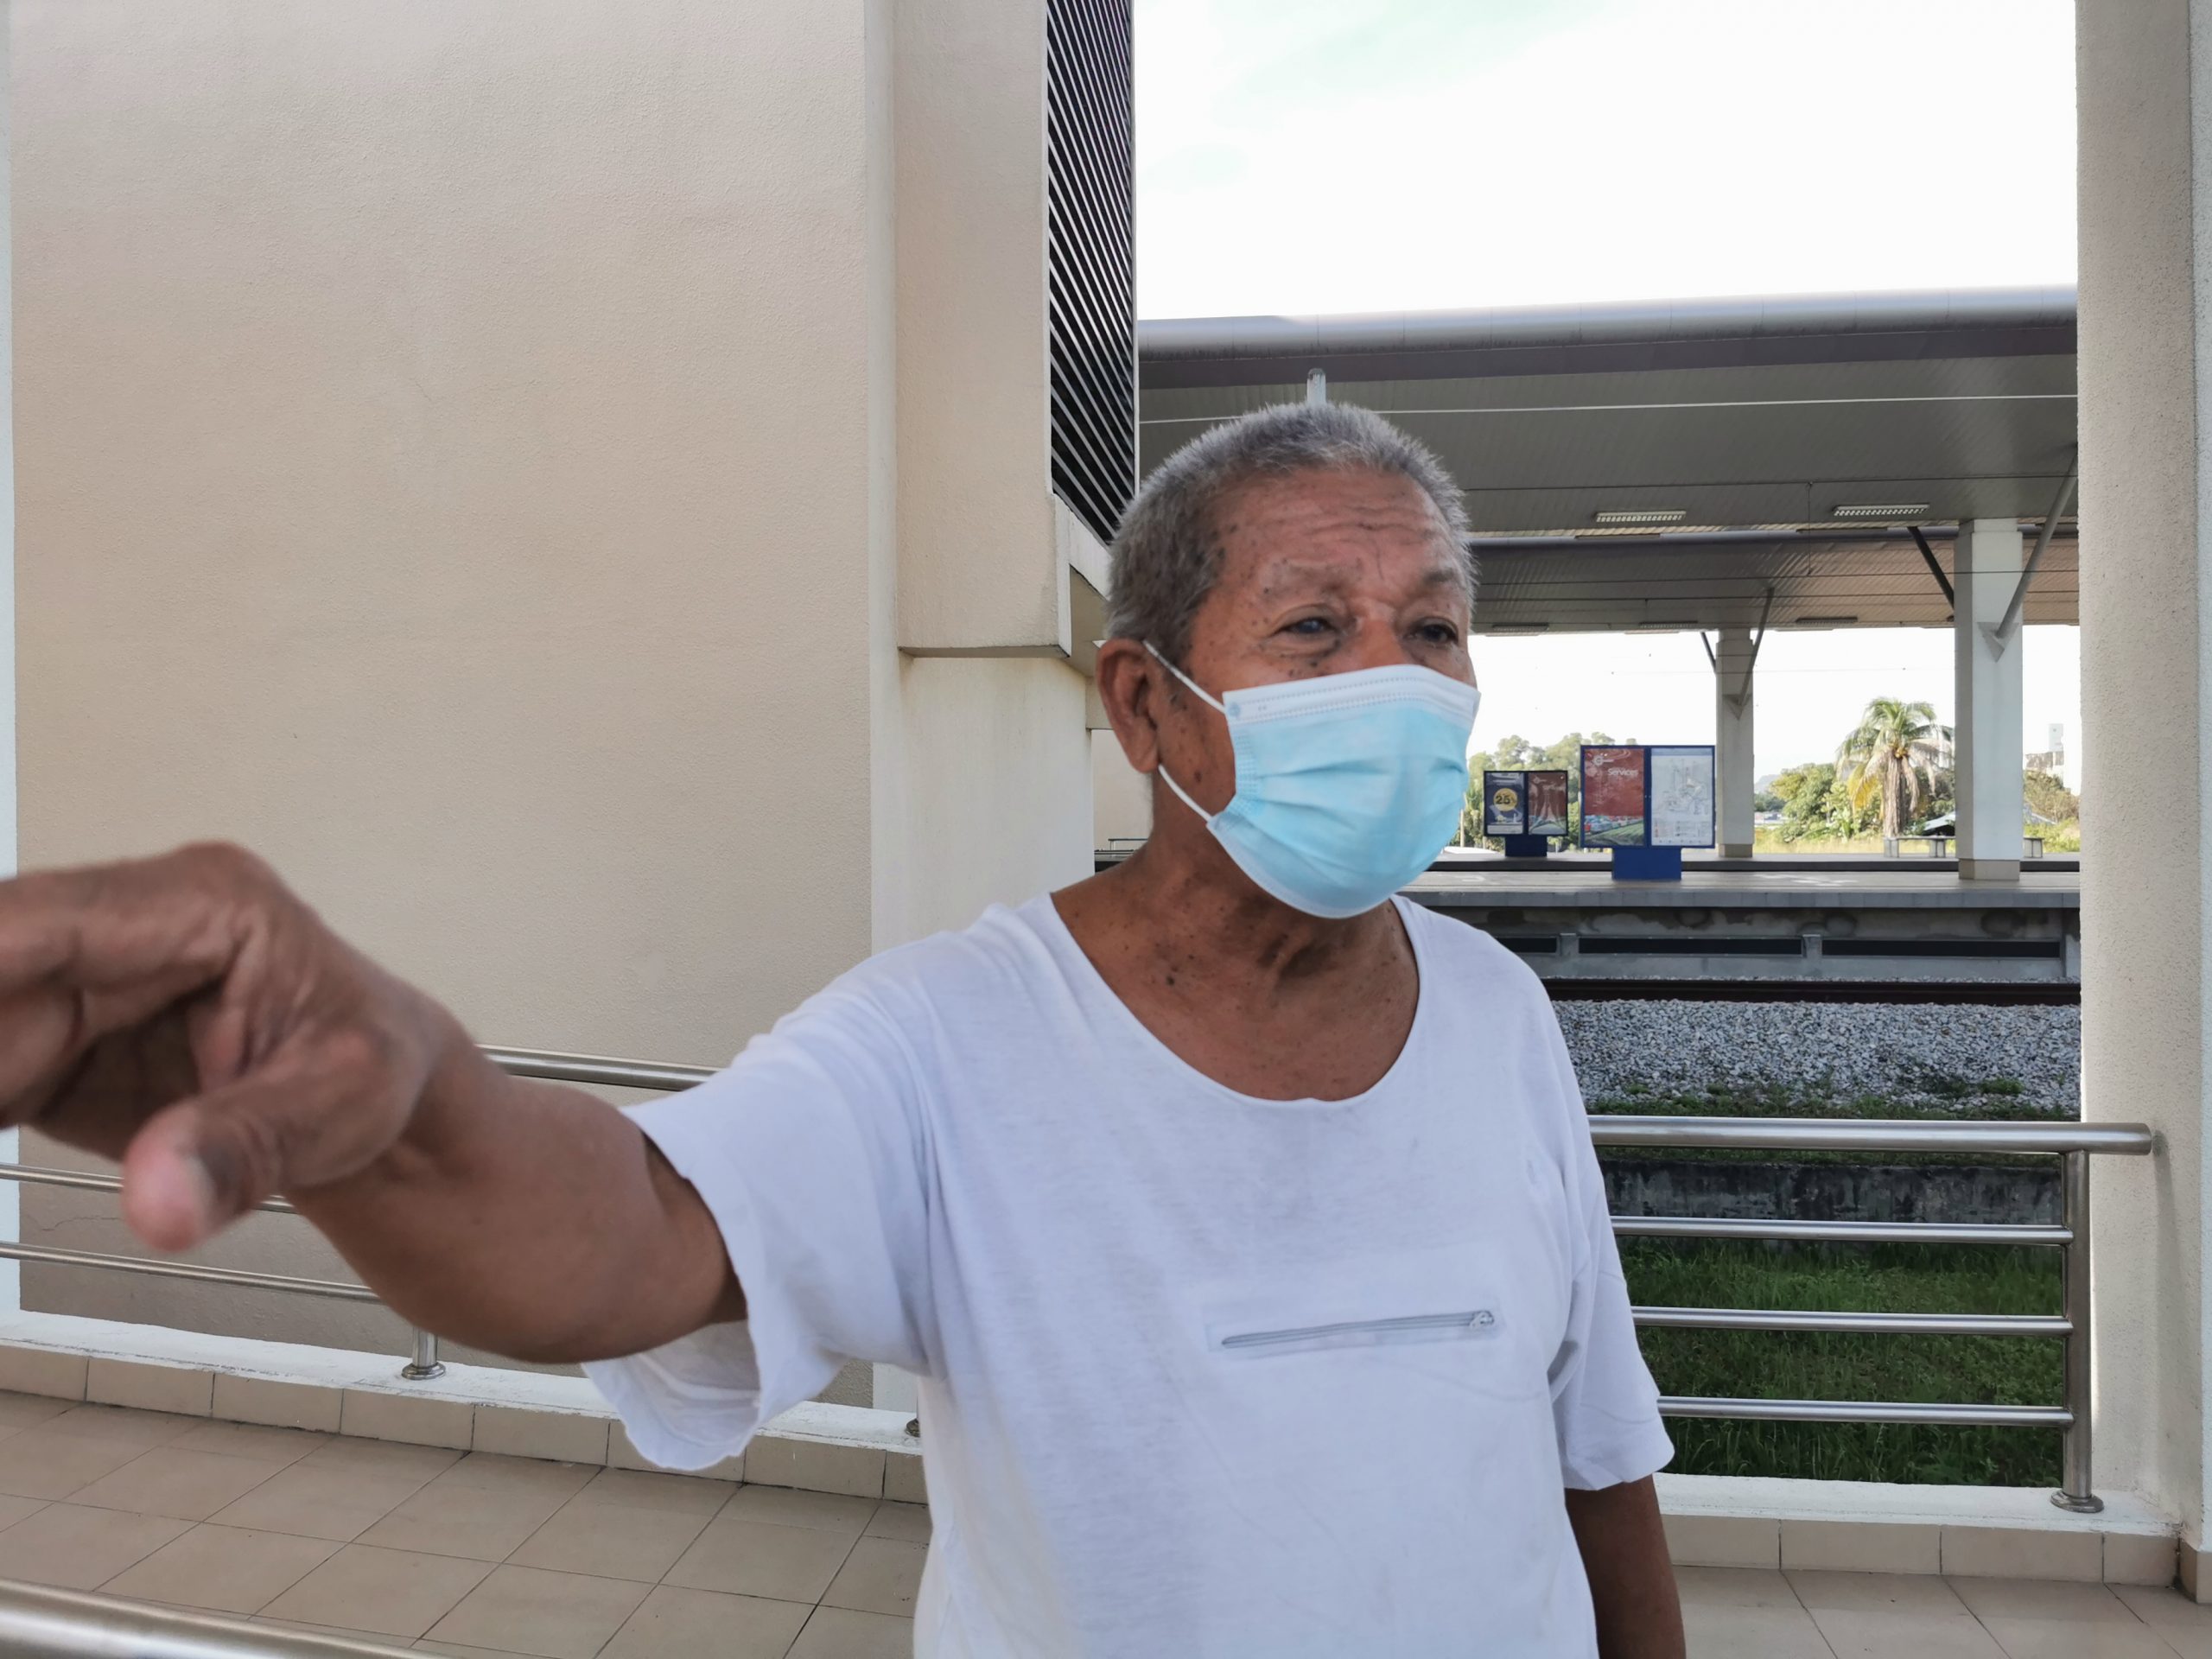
{"points": [[190, 1017]]}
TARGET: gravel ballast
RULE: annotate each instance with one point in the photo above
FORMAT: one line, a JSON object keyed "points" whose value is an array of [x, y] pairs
{"points": [[1922, 1055]]}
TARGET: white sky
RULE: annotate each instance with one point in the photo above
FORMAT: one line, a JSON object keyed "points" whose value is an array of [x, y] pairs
{"points": [[1332, 155]]}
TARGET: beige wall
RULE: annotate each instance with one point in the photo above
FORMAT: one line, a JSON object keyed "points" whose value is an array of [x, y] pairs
{"points": [[461, 453], [1121, 795], [1001, 765]]}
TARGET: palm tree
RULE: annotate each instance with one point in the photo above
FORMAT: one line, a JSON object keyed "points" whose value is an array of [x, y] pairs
{"points": [[1894, 753]]}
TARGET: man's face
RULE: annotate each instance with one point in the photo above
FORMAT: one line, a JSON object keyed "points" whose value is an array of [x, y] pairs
{"points": [[1320, 573]]}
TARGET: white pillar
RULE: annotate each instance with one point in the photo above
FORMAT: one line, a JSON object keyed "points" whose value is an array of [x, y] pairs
{"points": [[1732, 727], [1991, 771], [2145, 184]]}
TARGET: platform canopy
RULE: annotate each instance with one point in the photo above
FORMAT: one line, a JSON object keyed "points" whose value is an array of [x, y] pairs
{"points": [[1690, 465]]}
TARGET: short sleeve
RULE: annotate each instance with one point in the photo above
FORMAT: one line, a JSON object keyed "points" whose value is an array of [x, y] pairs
{"points": [[810, 1152], [1604, 1407]]}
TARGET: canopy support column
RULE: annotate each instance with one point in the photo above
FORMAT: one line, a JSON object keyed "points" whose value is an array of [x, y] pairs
{"points": [[1992, 775]]}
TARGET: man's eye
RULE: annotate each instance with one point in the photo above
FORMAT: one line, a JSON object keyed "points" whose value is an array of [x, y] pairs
{"points": [[1440, 634], [1309, 626]]}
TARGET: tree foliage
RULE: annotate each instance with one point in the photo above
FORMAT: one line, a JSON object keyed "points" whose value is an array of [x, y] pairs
{"points": [[2051, 800], [1891, 758], [1517, 754]]}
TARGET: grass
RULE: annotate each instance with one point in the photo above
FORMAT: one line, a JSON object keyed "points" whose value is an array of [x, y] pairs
{"points": [[2057, 839], [1815, 1365], [1809, 1365]]}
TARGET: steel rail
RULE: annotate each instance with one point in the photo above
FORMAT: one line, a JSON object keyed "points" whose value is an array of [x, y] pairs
{"points": [[1870, 1134], [36, 1623], [159, 1270], [1864, 1411], [1888, 1325], [1843, 1232]]}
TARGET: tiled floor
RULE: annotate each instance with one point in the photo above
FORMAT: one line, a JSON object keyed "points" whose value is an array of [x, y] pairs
{"points": [[469, 1555], [1734, 1614], [494, 1556]]}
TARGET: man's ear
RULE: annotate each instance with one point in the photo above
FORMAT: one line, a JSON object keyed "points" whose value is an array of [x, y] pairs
{"points": [[1133, 688]]}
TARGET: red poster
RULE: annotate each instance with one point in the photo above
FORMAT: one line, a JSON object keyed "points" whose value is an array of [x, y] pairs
{"points": [[1613, 796]]}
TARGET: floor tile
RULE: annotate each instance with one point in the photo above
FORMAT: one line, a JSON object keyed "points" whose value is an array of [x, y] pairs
{"points": [[488, 1471], [675, 1624], [38, 1462], [841, 1633], [2057, 1601], [125, 1424], [276, 1445], [323, 1629], [390, 1593], [1890, 1636], [78, 1549], [752, 1558], [21, 1410], [311, 1500], [554, 1615], [881, 1575], [2184, 1626], [783, 1506], [431, 1644], [383, 1456], [225, 1569], [910, 1522], [2039, 1638], [678, 1494], [1875, 1593], [188, 1486], [487, 1521], [1716, 1630], [614, 1540], [1734, 1587]]}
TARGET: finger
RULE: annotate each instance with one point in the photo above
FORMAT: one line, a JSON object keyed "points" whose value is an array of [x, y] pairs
{"points": [[198, 1165], [169, 1198], [112, 924]]}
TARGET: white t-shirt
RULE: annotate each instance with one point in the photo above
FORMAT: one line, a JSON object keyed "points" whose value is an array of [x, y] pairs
{"points": [[1200, 1374]]}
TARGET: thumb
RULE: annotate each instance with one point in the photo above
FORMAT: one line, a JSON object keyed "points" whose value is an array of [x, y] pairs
{"points": [[194, 1167]]}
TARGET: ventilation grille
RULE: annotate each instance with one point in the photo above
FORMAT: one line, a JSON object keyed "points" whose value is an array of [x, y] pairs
{"points": [[1090, 170]]}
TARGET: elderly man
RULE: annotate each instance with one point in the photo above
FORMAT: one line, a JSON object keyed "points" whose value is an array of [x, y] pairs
{"points": [[1239, 1219]]}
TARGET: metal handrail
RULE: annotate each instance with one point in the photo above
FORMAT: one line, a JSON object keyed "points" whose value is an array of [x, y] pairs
{"points": [[2072, 1144], [1868, 1134], [555, 1067], [36, 1623]]}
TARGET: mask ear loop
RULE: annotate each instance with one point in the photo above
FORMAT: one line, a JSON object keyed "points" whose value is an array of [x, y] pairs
{"points": [[1204, 817]]}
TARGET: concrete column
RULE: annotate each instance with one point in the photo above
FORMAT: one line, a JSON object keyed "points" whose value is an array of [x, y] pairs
{"points": [[2145, 182], [1732, 727], [1991, 771]]}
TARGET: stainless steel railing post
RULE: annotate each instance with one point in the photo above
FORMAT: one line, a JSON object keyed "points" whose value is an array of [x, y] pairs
{"points": [[2077, 1491], [426, 1363]]}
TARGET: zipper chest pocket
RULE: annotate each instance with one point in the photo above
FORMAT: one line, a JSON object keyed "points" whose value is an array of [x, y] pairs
{"points": [[1464, 1324]]}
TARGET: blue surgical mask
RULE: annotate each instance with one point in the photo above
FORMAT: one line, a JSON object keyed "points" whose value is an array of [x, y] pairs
{"points": [[1347, 784]]}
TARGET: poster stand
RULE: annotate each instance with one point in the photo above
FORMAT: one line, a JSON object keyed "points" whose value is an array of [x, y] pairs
{"points": [[1645, 802], [1646, 863], [1527, 846]]}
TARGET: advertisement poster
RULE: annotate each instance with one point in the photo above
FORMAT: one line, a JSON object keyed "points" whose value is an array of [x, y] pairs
{"points": [[1546, 804], [1682, 797], [1613, 796], [1504, 803]]}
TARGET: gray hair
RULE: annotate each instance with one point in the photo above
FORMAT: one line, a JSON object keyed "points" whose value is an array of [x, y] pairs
{"points": [[1167, 555]]}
